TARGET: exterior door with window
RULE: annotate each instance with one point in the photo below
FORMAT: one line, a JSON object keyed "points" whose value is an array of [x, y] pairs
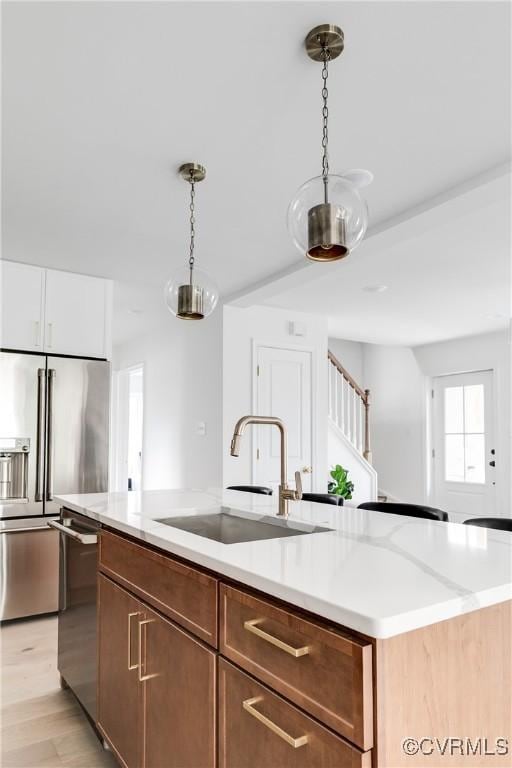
{"points": [[464, 456], [283, 389]]}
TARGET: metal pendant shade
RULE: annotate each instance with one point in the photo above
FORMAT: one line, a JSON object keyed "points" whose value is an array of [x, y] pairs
{"points": [[327, 218], [190, 302], [191, 294], [326, 233]]}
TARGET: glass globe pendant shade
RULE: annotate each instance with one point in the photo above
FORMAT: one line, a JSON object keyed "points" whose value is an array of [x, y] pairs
{"points": [[327, 230], [191, 294]]}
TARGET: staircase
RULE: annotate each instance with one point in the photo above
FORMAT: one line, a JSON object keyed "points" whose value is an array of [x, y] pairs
{"points": [[349, 430], [349, 407]]}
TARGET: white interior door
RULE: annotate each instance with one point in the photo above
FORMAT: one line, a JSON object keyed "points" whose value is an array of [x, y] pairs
{"points": [[463, 438], [126, 438], [283, 389]]}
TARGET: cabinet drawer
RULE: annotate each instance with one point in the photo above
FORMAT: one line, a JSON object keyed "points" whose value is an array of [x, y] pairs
{"points": [[183, 593], [258, 729], [324, 672]]}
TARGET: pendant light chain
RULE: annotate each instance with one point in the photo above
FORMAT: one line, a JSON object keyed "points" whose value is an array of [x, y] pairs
{"points": [[325, 119], [192, 223]]}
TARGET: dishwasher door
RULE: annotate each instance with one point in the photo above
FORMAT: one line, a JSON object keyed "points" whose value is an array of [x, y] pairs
{"points": [[77, 654]]}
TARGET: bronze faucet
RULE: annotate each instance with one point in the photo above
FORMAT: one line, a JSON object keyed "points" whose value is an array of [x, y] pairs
{"points": [[285, 494]]}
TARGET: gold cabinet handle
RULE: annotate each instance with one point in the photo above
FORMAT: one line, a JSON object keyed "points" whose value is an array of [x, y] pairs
{"points": [[140, 664], [130, 617], [248, 705], [252, 626]]}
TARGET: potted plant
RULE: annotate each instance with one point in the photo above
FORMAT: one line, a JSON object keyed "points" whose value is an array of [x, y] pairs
{"points": [[340, 485]]}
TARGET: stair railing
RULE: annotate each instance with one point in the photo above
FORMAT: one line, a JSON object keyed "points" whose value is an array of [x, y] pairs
{"points": [[349, 406]]}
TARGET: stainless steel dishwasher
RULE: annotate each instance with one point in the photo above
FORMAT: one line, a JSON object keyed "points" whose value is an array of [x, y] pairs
{"points": [[77, 656]]}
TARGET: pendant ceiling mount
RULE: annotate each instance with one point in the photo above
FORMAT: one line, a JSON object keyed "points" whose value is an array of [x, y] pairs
{"points": [[192, 172], [325, 37], [328, 217], [191, 294]]}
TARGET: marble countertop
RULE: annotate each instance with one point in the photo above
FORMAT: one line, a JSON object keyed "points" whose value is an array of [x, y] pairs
{"points": [[375, 573]]}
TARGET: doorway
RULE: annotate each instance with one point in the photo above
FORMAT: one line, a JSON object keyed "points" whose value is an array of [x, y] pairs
{"points": [[127, 428], [283, 388], [463, 443]]}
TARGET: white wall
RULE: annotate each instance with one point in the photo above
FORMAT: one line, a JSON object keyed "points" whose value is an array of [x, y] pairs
{"points": [[399, 379], [351, 355], [242, 328], [398, 420], [474, 353], [182, 387]]}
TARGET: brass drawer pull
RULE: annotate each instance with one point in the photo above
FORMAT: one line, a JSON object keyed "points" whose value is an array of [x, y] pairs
{"points": [[248, 705], [252, 626], [130, 617], [140, 664]]}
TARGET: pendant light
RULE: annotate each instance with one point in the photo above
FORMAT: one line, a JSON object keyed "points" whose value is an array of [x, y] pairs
{"points": [[328, 217], [191, 294]]}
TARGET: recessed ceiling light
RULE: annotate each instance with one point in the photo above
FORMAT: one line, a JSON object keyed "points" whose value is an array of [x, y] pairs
{"points": [[375, 288]]}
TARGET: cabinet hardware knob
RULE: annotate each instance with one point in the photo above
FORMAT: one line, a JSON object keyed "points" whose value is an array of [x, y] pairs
{"points": [[248, 705], [252, 626]]}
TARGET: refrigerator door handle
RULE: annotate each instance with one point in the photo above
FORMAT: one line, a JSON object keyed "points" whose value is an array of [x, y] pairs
{"points": [[41, 375], [49, 437]]}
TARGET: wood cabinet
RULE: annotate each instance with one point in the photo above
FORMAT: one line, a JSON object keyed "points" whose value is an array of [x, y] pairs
{"points": [[22, 322], [259, 729], [120, 714], [293, 690], [46, 310], [157, 686], [183, 593], [158, 628], [325, 672], [180, 697]]}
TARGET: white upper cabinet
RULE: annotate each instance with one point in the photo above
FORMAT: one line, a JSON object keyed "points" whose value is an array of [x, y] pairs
{"points": [[22, 306], [77, 314], [60, 313]]}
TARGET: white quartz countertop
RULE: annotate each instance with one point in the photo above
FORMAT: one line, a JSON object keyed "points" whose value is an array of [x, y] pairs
{"points": [[375, 573]]}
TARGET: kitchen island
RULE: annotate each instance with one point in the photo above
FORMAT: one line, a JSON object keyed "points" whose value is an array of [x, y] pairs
{"points": [[408, 619]]}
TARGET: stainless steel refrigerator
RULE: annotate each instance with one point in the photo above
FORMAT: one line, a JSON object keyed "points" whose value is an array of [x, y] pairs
{"points": [[54, 423]]}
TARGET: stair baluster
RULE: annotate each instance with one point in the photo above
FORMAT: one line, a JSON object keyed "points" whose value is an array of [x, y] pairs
{"points": [[349, 406]]}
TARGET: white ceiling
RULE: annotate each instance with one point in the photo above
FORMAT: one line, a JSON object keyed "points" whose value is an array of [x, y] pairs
{"points": [[102, 102], [447, 273]]}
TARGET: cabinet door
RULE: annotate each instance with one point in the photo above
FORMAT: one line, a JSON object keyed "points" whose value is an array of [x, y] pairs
{"points": [[120, 713], [259, 729], [180, 697], [76, 321], [22, 306]]}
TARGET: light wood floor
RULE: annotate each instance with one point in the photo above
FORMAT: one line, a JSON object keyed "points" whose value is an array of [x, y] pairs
{"points": [[42, 726]]}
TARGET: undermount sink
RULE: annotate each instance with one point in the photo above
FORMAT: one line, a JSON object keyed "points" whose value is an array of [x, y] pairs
{"points": [[229, 527]]}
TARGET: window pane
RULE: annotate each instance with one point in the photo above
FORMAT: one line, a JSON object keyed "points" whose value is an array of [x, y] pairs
{"points": [[453, 409], [454, 458], [474, 408], [475, 458]]}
